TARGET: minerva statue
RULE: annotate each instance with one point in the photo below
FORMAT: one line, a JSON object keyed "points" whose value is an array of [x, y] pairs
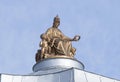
{"points": [[55, 44]]}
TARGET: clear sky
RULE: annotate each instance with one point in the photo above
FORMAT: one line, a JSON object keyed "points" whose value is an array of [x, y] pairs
{"points": [[97, 21]]}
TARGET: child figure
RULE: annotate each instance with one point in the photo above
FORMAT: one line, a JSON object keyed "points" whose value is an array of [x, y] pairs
{"points": [[45, 49]]}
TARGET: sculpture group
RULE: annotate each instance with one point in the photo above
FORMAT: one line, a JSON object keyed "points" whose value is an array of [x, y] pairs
{"points": [[55, 44]]}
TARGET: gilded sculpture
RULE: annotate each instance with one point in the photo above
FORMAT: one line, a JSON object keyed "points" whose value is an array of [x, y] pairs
{"points": [[55, 44]]}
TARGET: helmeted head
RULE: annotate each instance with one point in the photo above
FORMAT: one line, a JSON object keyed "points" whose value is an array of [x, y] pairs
{"points": [[56, 22]]}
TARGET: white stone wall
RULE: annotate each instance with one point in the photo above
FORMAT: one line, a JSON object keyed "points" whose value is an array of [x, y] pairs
{"points": [[82, 76], [70, 75]]}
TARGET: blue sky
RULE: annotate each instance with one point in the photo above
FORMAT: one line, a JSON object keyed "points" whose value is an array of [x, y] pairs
{"points": [[97, 21]]}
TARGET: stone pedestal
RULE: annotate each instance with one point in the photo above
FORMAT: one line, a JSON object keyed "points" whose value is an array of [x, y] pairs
{"points": [[57, 63], [57, 70]]}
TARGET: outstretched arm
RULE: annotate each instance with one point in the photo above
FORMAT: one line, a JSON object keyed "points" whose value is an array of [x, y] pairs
{"points": [[76, 38]]}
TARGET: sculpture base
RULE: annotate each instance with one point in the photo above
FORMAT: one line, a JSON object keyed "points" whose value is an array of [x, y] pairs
{"points": [[56, 63]]}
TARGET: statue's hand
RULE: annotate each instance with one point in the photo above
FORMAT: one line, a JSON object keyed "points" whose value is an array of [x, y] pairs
{"points": [[76, 38]]}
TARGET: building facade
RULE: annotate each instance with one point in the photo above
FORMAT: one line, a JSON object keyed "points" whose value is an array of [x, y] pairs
{"points": [[57, 70]]}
